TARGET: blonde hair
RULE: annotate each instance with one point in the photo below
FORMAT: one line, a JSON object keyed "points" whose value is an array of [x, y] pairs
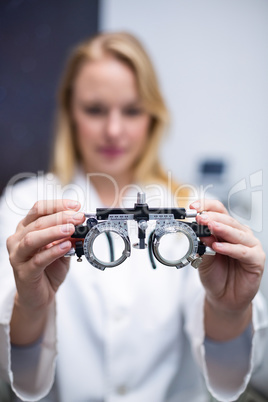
{"points": [[126, 48]]}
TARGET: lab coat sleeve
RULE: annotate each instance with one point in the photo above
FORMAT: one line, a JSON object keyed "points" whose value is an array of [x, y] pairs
{"points": [[30, 371], [227, 366]]}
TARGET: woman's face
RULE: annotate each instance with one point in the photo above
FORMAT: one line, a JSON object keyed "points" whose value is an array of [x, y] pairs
{"points": [[111, 123]]}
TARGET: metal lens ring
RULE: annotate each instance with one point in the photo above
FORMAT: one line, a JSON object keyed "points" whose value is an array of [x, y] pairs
{"points": [[170, 227], [120, 228]]}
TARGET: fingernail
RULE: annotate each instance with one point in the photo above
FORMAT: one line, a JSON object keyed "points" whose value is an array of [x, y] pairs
{"points": [[78, 216], [210, 226], [196, 205], [204, 217], [64, 245], [72, 204], [218, 245], [216, 224], [66, 228]]}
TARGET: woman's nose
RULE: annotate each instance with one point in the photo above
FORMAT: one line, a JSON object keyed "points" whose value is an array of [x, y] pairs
{"points": [[114, 126]]}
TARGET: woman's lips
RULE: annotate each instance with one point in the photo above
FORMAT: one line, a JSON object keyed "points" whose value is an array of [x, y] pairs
{"points": [[111, 151]]}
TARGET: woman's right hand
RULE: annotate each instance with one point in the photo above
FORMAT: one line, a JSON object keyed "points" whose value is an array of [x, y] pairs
{"points": [[36, 253]]}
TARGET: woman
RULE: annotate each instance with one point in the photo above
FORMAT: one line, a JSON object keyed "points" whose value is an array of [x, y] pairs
{"points": [[131, 332]]}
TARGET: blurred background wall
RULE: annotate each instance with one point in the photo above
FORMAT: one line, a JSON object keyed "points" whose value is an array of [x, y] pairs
{"points": [[36, 37], [212, 61]]}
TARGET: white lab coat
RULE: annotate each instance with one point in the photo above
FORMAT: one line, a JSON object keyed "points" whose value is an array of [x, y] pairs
{"points": [[130, 333]]}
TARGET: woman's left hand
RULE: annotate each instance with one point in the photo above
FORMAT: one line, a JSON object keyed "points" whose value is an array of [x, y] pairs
{"points": [[232, 277]]}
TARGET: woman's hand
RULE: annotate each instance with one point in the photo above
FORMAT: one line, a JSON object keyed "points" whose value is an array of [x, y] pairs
{"points": [[232, 277], [36, 253]]}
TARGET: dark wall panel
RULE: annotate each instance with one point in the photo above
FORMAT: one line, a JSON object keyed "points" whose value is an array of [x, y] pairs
{"points": [[35, 39]]}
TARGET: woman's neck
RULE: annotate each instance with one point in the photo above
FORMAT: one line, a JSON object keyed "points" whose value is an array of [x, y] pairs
{"points": [[111, 189]]}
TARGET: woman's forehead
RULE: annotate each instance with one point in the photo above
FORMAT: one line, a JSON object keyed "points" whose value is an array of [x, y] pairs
{"points": [[107, 78]]}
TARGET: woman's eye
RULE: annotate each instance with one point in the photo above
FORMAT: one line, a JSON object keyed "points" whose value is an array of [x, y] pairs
{"points": [[133, 111], [95, 110]]}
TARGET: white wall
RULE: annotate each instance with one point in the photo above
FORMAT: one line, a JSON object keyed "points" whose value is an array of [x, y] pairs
{"points": [[212, 61]]}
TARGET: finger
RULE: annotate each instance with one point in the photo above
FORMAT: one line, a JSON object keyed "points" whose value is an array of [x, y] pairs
{"points": [[53, 244], [209, 205], [232, 235], [59, 218], [208, 241], [44, 258], [34, 241], [208, 216], [48, 207], [247, 255], [43, 222]]}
